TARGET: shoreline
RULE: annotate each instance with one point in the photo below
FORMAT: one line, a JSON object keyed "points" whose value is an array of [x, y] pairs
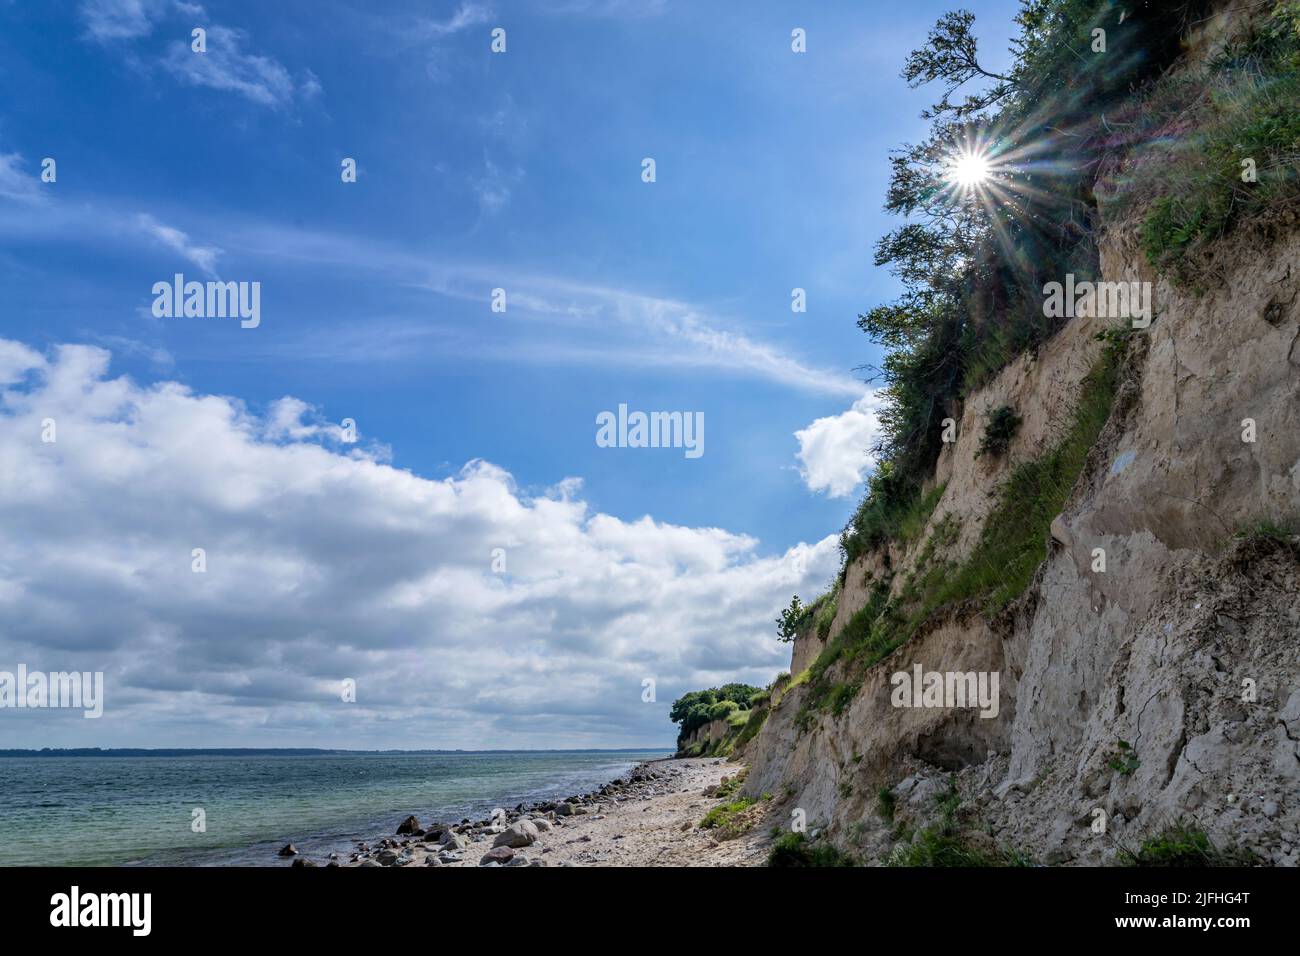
{"points": [[648, 817]]}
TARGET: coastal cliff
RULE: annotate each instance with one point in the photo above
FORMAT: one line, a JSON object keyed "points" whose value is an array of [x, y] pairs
{"points": [[1104, 548]]}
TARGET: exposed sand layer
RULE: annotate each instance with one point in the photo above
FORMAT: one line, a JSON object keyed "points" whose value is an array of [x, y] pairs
{"points": [[649, 818]]}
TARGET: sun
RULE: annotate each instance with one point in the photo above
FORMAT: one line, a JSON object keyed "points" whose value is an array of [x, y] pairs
{"points": [[969, 169]]}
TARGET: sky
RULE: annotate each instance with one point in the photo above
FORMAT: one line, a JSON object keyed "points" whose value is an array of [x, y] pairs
{"points": [[476, 562]]}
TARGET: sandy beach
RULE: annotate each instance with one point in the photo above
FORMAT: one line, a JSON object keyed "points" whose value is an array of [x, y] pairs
{"points": [[651, 817]]}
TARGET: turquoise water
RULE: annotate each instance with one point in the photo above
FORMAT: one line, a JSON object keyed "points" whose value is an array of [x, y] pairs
{"points": [[138, 810]]}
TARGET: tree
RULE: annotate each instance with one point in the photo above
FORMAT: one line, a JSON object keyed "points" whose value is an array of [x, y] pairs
{"points": [[791, 619]]}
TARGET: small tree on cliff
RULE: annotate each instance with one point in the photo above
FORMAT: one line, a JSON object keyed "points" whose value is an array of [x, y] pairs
{"points": [[791, 619]]}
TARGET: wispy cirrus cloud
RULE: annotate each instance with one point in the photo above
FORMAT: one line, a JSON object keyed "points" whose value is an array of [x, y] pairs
{"points": [[15, 183], [225, 65], [205, 257], [108, 21]]}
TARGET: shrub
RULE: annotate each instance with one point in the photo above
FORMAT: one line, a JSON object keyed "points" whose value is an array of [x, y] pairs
{"points": [[886, 801], [1003, 423], [722, 709], [795, 850]]}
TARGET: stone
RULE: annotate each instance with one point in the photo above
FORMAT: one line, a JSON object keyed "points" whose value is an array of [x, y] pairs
{"points": [[288, 850], [498, 855], [520, 834], [409, 825]]}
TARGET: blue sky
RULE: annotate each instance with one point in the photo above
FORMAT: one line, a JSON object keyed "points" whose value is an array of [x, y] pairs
{"points": [[519, 170]]}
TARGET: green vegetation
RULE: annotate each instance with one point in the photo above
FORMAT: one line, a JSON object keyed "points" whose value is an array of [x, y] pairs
{"points": [[946, 844], [1003, 423], [730, 786], [1182, 845], [722, 709], [695, 709], [791, 620], [794, 849], [973, 258], [730, 820], [1237, 153], [1125, 759], [885, 804], [1012, 545]]}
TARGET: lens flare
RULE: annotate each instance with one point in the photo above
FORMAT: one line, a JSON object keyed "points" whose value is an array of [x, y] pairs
{"points": [[969, 170]]}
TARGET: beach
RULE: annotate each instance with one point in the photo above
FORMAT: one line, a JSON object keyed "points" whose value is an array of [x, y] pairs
{"points": [[649, 817]]}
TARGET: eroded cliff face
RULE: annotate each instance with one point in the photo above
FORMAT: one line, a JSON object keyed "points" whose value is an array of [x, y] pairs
{"points": [[1163, 688]]}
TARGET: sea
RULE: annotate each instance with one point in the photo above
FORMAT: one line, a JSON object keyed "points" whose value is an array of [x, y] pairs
{"points": [[192, 808]]}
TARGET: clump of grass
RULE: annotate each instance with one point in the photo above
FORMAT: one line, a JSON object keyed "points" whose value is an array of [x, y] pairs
{"points": [[886, 803], [945, 844], [730, 785], [795, 850], [1181, 845], [1002, 425], [730, 820], [936, 846]]}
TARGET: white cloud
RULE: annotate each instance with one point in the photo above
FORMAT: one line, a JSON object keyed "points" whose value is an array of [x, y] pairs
{"points": [[205, 257], [112, 20], [15, 183], [322, 566], [466, 15], [225, 66], [834, 452]]}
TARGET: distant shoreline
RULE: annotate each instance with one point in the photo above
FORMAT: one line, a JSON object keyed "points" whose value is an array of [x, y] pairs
{"points": [[301, 751]]}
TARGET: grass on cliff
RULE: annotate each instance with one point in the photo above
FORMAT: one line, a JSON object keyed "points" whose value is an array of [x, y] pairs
{"points": [[1181, 845], [1217, 148], [796, 850], [730, 820], [1012, 545]]}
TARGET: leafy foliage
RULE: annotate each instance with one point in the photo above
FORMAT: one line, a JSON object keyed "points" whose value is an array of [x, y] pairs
{"points": [[695, 708], [973, 261], [791, 620]]}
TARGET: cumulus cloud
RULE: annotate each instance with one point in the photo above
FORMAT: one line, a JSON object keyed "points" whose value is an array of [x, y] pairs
{"points": [[323, 566], [834, 452]]}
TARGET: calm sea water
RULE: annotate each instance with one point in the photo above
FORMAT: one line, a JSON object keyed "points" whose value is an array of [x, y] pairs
{"points": [[138, 810]]}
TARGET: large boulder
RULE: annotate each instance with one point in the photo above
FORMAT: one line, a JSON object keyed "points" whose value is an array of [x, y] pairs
{"points": [[519, 834], [500, 855], [564, 810], [409, 825], [452, 840], [288, 850]]}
